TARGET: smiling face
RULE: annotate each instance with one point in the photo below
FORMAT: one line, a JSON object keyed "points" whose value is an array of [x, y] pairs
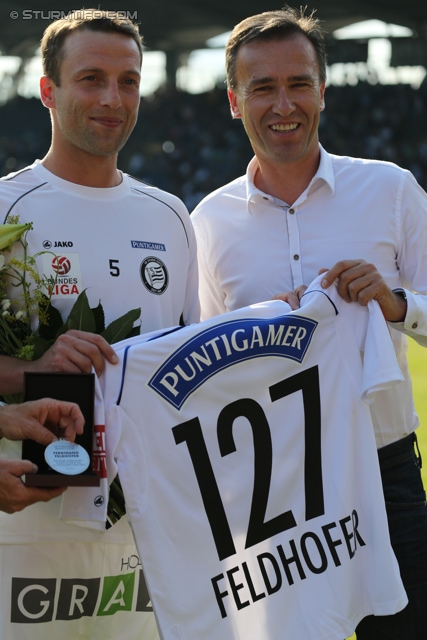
{"points": [[96, 105], [279, 97]]}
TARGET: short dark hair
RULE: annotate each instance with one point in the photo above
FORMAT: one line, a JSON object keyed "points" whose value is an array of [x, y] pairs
{"points": [[52, 43], [275, 25]]}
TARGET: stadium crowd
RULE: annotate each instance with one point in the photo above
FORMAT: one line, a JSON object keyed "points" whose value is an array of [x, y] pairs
{"points": [[189, 145]]}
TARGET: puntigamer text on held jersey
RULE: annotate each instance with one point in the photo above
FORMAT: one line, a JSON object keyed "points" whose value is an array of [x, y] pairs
{"points": [[225, 345]]}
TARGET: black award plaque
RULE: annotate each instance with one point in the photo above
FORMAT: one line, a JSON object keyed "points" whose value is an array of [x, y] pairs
{"points": [[62, 463]]}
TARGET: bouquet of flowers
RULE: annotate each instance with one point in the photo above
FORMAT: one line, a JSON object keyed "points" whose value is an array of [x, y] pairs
{"points": [[33, 306], [30, 324]]}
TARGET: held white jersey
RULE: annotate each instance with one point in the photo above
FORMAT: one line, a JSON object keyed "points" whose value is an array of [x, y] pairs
{"points": [[250, 471]]}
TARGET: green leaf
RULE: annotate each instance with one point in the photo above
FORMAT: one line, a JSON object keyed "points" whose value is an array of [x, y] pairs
{"points": [[135, 331], [81, 316], [116, 508], [12, 398], [99, 315], [40, 346], [120, 328]]}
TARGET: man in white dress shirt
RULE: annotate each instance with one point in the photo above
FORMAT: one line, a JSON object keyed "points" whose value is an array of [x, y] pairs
{"points": [[299, 211]]}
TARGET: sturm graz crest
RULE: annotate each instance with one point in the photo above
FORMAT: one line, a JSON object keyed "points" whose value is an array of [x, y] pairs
{"points": [[154, 275]]}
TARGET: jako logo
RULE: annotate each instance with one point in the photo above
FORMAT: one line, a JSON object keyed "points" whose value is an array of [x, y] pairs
{"points": [[61, 265]]}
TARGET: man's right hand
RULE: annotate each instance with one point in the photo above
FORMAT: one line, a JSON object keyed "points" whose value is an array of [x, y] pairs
{"points": [[292, 297], [73, 352], [14, 495], [76, 352]]}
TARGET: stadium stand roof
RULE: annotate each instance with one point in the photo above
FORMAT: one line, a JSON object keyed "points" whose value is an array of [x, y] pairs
{"points": [[184, 25]]}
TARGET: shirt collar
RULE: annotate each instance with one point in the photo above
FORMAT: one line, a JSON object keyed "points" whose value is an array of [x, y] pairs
{"points": [[325, 173]]}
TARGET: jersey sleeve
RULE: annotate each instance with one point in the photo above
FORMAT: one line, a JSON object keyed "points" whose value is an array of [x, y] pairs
{"points": [[380, 367], [87, 506], [365, 327]]}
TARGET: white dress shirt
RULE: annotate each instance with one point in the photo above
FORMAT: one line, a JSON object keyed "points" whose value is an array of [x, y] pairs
{"points": [[252, 246]]}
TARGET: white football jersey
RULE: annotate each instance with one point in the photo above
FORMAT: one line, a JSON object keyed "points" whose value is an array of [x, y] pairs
{"points": [[127, 246], [247, 457]]}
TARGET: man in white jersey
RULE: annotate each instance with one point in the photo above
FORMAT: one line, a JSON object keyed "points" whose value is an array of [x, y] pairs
{"points": [[298, 211], [43, 421], [225, 435], [128, 245]]}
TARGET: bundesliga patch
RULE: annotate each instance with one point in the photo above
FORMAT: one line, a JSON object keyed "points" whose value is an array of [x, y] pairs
{"points": [[225, 345], [154, 275], [63, 274]]}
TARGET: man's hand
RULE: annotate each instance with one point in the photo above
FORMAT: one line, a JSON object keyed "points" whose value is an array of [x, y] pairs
{"points": [[292, 297], [76, 352], [14, 495], [42, 420], [359, 281], [73, 352]]}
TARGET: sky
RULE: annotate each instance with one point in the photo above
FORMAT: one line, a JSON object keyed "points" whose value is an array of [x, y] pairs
{"points": [[204, 68]]}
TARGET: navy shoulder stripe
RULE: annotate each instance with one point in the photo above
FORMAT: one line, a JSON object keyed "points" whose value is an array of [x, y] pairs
{"points": [[20, 198], [166, 205], [125, 358], [325, 294]]}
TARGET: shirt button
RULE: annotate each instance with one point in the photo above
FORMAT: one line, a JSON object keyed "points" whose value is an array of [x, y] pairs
{"points": [[291, 210], [296, 257], [415, 325]]}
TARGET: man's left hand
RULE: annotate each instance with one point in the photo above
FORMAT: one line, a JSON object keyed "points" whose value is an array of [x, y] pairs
{"points": [[359, 281]]}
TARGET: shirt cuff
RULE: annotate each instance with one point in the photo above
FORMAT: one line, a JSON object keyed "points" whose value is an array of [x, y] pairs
{"points": [[415, 322]]}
